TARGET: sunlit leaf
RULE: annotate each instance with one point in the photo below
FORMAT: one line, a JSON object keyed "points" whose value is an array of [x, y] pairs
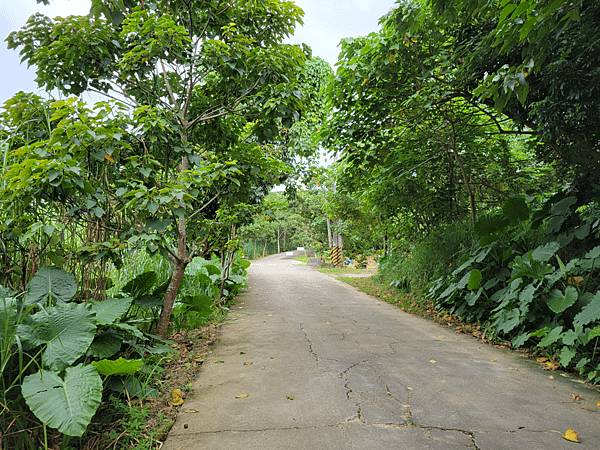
{"points": [[571, 435], [177, 395]]}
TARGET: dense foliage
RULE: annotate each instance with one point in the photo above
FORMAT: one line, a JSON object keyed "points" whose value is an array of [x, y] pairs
{"points": [[467, 132]]}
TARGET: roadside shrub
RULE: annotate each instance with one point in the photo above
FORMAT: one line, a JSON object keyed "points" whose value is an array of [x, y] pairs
{"points": [[532, 278], [426, 260]]}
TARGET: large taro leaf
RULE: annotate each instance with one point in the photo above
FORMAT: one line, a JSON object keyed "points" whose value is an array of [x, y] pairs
{"points": [[120, 366], [106, 344], [558, 301], [50, 282], [68, 329], [111, 309], [142, 284], [8, 322], [65, 403]]}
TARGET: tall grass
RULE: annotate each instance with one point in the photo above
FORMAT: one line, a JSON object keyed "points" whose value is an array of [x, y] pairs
{"points": [[426, 259]]}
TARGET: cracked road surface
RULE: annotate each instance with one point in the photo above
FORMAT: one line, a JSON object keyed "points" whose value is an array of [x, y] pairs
{"points": [[319, 365]]}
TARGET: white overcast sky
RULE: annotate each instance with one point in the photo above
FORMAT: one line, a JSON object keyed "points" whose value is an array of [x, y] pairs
{"points": [[326, 22]]}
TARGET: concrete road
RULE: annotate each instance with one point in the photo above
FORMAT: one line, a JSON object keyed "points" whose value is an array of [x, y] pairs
{"points": [[308, 362]]}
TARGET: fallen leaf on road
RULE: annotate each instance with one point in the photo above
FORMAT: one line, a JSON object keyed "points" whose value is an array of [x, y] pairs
{"points": [[289, 397], [409, 388], [598, 404], [247, 363], [219, 362], [241, 396], [272, 357], [191, 411], [432, 361], [572, 436], [177, 395], [263, 367], [242, 353], [576, 397], [541, 360], [587, 409], [551, 377], [442, 337], [493, 360]]}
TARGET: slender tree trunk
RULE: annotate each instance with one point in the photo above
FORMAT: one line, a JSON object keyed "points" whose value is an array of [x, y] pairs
{"points": [[254, 249], [329, 232], [265, 247], [278, 238], [180, 260]]}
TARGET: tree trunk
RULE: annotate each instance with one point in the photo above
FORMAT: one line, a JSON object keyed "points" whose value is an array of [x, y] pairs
{"points": [[169, 301], [180, 260], [265, 247], [329, 232], [278, 239]]}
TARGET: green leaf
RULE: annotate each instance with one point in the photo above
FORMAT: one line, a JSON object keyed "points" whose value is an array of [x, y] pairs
{"points": [[566, 355], [515, 209], [551, 337], [142, 284], [67, 402], [106, 344], [129, 328], [67, 329], [121, 366], [474, 279], [558, 301], [593, 253], [111, 309], [563, 207], [588, 314], [520, 339], [509, 320], [149, 301], [50, 282], [543, 253]]}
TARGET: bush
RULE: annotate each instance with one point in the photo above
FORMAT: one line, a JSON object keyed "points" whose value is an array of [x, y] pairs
{"points": [[427, 259], [532, 278]]}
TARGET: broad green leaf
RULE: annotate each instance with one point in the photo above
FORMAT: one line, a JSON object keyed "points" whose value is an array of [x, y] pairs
{"points": [[67, 402], [593, 253], [149, 301], [67, 329], [129, 328], [142, 284], [594, 332], [509, 320], [551, 337], [110, 309], [50, 282], [515, 209], [566, 355], [543, 253], [133, 386], [520, 339], [120, 366], [563, 207], [474, 279], [106, 344], [588, 314], [8, 322], [558, 301]]}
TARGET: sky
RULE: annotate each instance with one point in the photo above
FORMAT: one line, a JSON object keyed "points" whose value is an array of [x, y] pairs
{"points": [[326, 22]]}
